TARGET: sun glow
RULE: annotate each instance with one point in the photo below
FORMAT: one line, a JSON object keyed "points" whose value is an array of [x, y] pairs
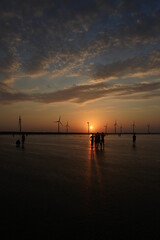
{"points": [[91, 127]]}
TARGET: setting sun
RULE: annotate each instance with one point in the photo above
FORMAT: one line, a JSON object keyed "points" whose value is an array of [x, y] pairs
{"points": [[91, 127]]}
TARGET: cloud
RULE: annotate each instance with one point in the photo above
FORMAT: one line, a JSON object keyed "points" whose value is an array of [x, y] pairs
{"points": [[47, 36], [139, 66], [9, 61], [3, 87], [85, 93]]}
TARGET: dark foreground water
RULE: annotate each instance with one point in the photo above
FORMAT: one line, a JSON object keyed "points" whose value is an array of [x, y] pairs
{"points": [[58, 187]]}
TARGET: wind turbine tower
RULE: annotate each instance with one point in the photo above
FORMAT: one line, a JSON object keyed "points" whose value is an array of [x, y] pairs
{"points": [[88, 126], [59, 123], [133, 126], [67, 127], [148, 128], [115, 127], [121, 129], [20, 122], [106, 128]]}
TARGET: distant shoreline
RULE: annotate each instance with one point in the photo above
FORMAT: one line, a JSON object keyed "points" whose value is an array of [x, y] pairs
{"points": [[65, 133]]}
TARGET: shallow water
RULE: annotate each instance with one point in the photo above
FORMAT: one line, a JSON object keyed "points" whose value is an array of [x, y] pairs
{"points": [[59, 185]]}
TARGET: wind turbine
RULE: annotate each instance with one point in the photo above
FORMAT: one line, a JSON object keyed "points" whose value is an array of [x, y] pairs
{"points": [[148, 127], [67, 127], [59, 123], [20, 123], [88, 126], [115, 127]]}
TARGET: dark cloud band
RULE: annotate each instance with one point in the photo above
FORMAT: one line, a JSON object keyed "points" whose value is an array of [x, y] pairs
{"points": [[85, 93]]}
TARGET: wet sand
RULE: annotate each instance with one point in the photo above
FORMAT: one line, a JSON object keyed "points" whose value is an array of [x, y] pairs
{"points": [[57, 186]]}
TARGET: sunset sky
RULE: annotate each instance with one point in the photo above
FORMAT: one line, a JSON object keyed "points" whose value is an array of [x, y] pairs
{"points": [[86, 60]]}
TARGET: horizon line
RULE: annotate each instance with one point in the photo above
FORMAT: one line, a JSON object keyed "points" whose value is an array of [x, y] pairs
{"points": [[69, 133]]}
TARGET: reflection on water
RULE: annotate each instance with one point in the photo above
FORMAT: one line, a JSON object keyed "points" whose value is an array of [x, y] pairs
{"points": [[134, 146], [96, 157], [65, 181]]}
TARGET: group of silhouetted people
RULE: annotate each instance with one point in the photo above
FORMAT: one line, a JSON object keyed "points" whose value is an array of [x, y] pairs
{"points": [[18, 142], [98, 139]]}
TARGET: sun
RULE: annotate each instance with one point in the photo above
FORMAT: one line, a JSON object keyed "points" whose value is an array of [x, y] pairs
{"points": [[91, 127]]}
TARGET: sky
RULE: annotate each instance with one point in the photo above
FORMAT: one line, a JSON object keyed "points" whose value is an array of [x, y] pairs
{"points": [[83, 60]]}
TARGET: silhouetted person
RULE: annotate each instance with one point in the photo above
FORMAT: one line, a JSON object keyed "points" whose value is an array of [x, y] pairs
{"points": [[134, 138], [92, 140], [18, 143], [23, 138], [102, 138], [97, 139]]}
